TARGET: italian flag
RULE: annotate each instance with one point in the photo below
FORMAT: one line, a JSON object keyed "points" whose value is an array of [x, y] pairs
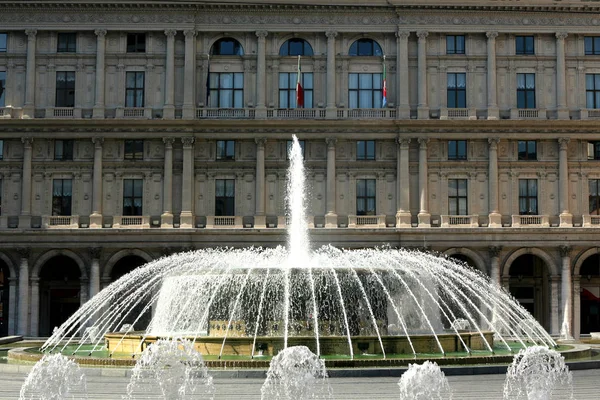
{"points": [[384, 100], [299, 90]]}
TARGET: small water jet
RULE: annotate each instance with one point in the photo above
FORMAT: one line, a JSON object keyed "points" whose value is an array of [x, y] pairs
{"points": [[424, 382], [296, 373], [54, 377], [172, 369], [538, 373]]}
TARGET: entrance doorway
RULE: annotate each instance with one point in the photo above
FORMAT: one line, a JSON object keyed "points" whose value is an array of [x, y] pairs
{"points": [[590, 294], [529, 284]]}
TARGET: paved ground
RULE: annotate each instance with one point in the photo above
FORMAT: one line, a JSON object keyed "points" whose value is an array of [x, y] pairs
{"points": [[480, 387]]}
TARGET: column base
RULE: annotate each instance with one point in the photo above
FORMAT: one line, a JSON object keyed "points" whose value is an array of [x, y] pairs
{"points": [[331, 113], [24, 221], [98, 112], [403, 220], [186, 220], [260, 112], [423, 112], [28, 111], [96, 221], [331, 220], [168, 112], [403, 112], [166, 220], [566, 220], [495, 220], [562, 113], [493, 113], [424, 220], [188, 112], [260, 221]]}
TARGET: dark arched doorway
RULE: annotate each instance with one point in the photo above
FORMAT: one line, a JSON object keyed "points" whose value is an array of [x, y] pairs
{"points": [[60, 288], [122, 267], [529, 284], [464, 259], [125, 265], [4, 289], [590, 294]]}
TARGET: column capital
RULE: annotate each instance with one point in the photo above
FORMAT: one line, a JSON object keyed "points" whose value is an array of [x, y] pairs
{"points": [[494, 251], [100, 32], [422, 35], [190, 33], [27, 141], [563, 143], [31, 33], [331, 35], [403, 141], [168, 141], [95, 252], [98, 141], [331, 142], [423, 142], [24, 252], [261, 142], [170, 33], [261, 34], [187, 141], [491, 35], [493, 142], [402, 34], [565, 251], [561, 35]]}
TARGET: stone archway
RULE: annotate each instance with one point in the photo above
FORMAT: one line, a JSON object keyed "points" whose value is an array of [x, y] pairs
{"points": [[8, 277], [107, 272], [469, 256], [587, 297]]}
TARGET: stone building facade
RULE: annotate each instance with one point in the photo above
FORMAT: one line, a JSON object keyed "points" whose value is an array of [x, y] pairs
{"points": [[131, 131]]}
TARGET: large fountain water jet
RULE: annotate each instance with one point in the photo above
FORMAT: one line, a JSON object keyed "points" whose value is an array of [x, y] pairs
{"points": [[253, 302], [424, 382], [54, 377]]}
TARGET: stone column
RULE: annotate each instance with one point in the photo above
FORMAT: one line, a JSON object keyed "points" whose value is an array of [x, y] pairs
{"points": [[554, 309], [495, 273], [23, 316], [95, 271], [261, 109], [495, 218], [331, 111], [566, 298], [29, 106], [576, 306], [424, 216], [187, 215], [166, 219], [493, 112], [169, 106], [260, 220], [12, 305], [96, 217], [402, 74], [422, 108], [561, 89], [331, 216], [34, 329], [566, 218], [25, 217], [98, 111], [189, 99], [403, 216]]}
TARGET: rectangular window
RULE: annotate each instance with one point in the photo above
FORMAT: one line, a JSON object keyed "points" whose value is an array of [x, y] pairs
{"points": [[0, 196], [524, 45], [593, 150], [457, 150], [224, 197], [365, 90], [63, 150], [594, 185], [62, 190], [134, 89], [2, 87], [1, 149], [592, 90], [457, 90], [525, 90], [455, 44], [134, 150], [528, 203], [226, 90], [136, 42], [225, 149], [592, 45], [365, 197], [527, 150], [3, 40], [365, 150], [457, 197], [288, 148], [67, 42], [65, 89], [287, 89], [133, 190]]}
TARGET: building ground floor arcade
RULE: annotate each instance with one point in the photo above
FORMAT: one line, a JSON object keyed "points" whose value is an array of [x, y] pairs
{"points": [[45, 277]]}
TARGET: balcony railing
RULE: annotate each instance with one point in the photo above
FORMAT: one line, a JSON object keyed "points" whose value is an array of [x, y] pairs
{"points": [[534, 221], [63, 112], [131, 221], [217, 221], [528, 113], [366, 221], [590, 113], [458, 113], [591, 221], [60, 221], [460, 221], [367, 113], [133, 112], [225, 113], [5, 112], [296, 113]]}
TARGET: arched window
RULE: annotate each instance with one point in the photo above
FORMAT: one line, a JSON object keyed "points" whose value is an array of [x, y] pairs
{"points": [[365, 47], [227, 47], [296, 47]]}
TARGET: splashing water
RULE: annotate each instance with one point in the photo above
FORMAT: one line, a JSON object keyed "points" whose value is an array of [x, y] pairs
{"points": [[296, 373], [424, 382], [172, 369], [54, 377], [538, 373]]}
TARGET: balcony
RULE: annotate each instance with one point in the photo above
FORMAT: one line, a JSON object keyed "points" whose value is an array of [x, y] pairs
{"points": [[590, 113], [63, 112], [225, 113], [131, 221], [60, 221], [528, 113], [591, 221], [366, 221], [460, 221], [134, 112], [367, 113], [458, 113], [6, 112], [228, 221], [295, 113], [530, 221]]}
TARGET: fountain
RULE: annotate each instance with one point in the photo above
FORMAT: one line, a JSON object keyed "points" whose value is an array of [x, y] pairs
{"points": [[424, 382], [538, 373], [54, 377], [252, 303], [296, 373]]}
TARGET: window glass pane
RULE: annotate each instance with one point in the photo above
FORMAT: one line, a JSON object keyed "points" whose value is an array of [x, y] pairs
{"points": [[366, 99], [596, 48], [360, 150], [452, 149], [2, 88], [450, 44], [307, 80], [452, 188], [238, 80], [530, 81], [360, 187], [371, 187], [353, 81], [3, 40], [365, 47], [353, 100], [461, 101], [451, 81], [283, 80], [529, 45], [520, 81], [219, 187], [462, 148], [139, 80], [230, 148], [460, 44], [532, 187], [371, 149], [588, 45], [531, 150], [226, 81], [522, 187], [377, 81], [589, 81], [462, 206], [462, 187], [226, 98], [230, 188], [366, 81]]}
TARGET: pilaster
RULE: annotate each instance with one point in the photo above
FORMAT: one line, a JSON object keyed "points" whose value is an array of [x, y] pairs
{"points": [[29, 106], [493, 111], [98, 111], [169, 107], [331, 216], [331, 110], [166, 219], [423, 107], [423, 216], [403, 215]]}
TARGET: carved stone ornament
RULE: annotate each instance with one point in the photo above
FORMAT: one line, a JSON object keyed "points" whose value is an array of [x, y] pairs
{"points": [[100, 32]]}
